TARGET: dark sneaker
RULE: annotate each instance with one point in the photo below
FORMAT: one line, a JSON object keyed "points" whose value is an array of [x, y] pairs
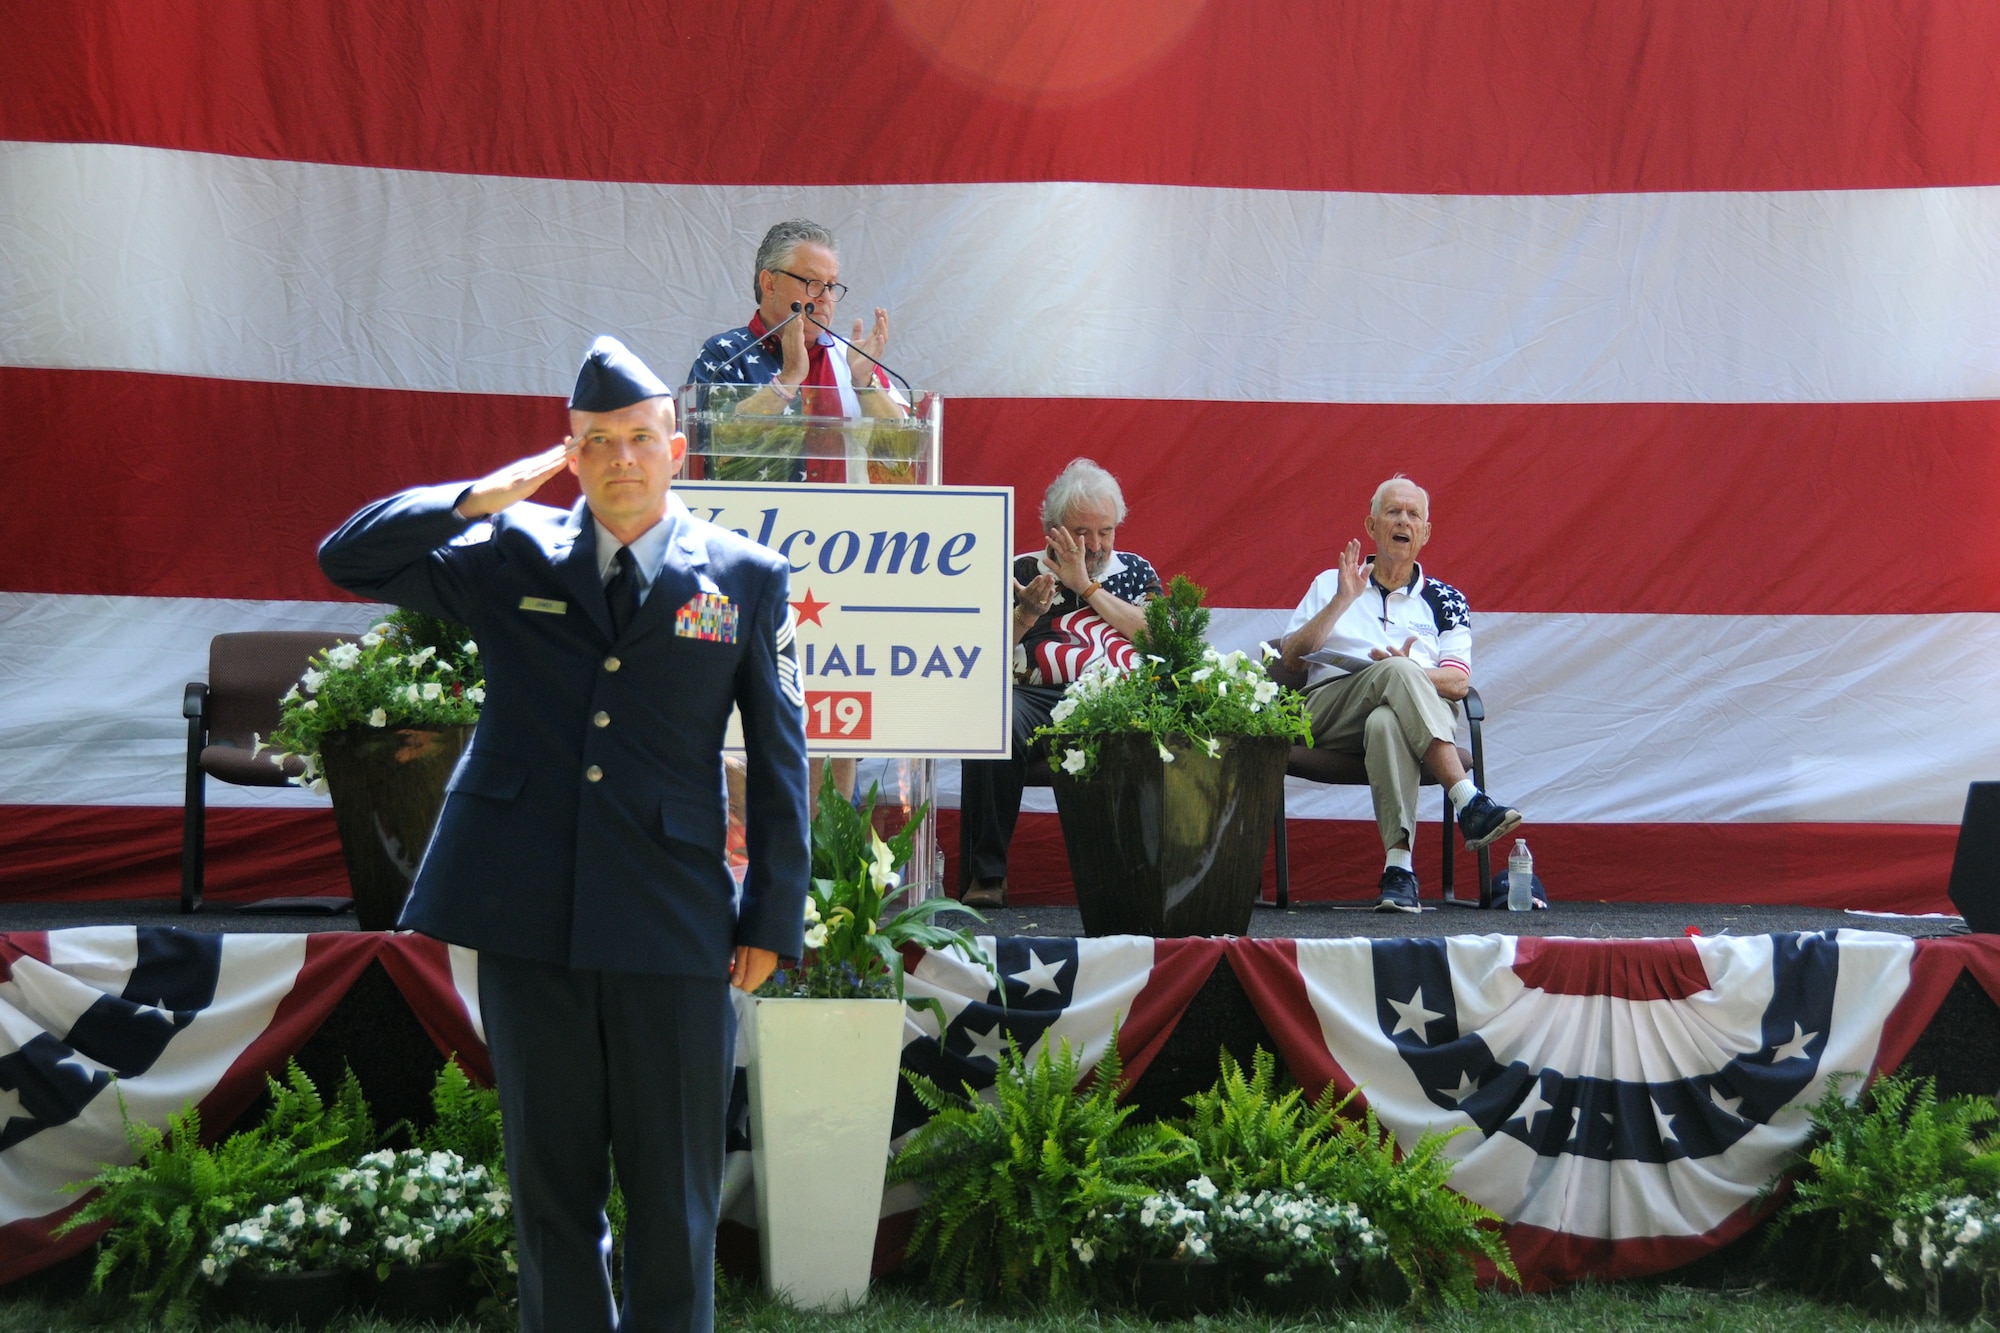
{"points": [[985, 893], [1399, 891], [1485, 819]]}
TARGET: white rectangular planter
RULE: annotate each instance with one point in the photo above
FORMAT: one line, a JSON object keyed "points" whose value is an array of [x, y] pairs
{"points": [[822, 1097]]}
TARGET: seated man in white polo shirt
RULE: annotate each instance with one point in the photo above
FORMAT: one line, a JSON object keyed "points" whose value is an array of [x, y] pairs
{"points": [[1408, 640]]}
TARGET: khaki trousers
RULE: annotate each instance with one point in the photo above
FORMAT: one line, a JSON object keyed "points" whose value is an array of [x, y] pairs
{"points": [[1389, 715]]}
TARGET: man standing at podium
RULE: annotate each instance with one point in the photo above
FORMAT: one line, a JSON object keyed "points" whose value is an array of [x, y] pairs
{"points": [[789, 347], [581, 845]]}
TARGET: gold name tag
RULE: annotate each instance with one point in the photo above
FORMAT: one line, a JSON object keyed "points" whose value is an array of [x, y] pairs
{"points": [[544, 605]]}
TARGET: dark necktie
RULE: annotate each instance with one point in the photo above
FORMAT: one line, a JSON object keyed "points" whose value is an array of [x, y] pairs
{"points": [[622, 591]]}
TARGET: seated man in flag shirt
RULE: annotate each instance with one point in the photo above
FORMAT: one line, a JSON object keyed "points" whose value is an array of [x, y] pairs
{"points": [[1409, 638], [803, 367], [1078, 571]]}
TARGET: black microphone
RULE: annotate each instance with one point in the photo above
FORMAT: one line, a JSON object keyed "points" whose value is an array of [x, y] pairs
{"points": [[837, 338], [772, 332]]}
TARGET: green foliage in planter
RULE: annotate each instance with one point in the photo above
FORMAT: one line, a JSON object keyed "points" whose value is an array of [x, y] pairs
{"points": [[165, 1209], [1182, 688], [1435, 1235], [1013, 1179], [411, 670], [1894, 1152], [465, 1119], [1252, 1135], [852, 950]]}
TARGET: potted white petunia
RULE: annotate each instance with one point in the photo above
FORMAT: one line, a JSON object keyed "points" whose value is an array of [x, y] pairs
{"points": [[379, 725], [1168, 777]]}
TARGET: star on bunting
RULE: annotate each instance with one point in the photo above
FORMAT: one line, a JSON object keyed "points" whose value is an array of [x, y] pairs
{"points": [[1466, 1087], [1411, 1016], [1038, 975], [1665, 1120], [809, 610], [11, 1108], [1795, 1049], [1531, 1106], [989, 1045], [1728, 1105]]}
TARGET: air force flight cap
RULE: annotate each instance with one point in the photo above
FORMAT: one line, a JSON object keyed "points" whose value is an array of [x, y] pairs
{"points": [[612, 377]]}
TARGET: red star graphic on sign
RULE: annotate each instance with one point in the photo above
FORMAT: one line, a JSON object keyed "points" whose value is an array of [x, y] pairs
{"points": [[809, 610]]}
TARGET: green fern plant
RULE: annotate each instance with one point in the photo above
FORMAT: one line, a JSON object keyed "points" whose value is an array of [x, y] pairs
{"points": [[1892, 1152], [1014, 1180], [1436, 1236], [163, 1210], [465, 1119], [1250, 1136]]}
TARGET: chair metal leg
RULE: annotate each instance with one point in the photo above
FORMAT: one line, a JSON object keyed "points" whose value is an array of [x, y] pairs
{"points": [[194, 819], [1281, 849]]}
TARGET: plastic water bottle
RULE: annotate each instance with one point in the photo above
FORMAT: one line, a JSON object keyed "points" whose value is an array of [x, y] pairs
{"points": [[1520, 878]]}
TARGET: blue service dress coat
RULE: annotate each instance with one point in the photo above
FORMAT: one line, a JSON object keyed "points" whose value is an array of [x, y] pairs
{"points": [[586, 824]]}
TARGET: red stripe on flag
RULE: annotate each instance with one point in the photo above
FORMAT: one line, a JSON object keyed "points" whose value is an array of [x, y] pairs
{"points": [[1269, 972], [230, 486], [1882, 867], [1623, 969], [85, 853], [333, 961], [1427, 96], [18, 944], [1549, 1259], [1180, 969], [421, 969], [1933, 972]]}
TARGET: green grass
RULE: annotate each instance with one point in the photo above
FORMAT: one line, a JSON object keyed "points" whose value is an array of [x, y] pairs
{"points": [[1626, 1308]]}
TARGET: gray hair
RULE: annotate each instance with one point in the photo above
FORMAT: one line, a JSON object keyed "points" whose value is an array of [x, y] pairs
{"points": [[1382, 493], [781, 243], [1082, 482]]}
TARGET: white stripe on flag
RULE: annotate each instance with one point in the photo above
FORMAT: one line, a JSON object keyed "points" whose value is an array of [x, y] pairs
{"points": [[185, 263]]}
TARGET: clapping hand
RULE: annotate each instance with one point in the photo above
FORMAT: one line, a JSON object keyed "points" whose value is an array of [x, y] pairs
{"points": [[516, 481], [1034, 598], [873, 342], [1066, 553]]}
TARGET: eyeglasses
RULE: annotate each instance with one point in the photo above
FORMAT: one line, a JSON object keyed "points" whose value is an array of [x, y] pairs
{"points": [[814, 287]]}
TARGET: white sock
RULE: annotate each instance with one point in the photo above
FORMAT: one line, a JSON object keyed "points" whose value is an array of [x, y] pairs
{"points": [[1398, 859], [1461, 794]]}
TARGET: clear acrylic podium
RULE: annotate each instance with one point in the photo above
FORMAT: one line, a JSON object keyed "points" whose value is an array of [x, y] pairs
{"points": [[756, 433]]}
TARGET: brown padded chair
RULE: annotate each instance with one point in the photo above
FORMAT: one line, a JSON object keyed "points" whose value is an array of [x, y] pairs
{"points": [[227, 714], [1344, 770]]}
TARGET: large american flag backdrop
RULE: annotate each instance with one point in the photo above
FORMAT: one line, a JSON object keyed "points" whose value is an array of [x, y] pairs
{"points": [[1685, 311], [1621, 1103]]}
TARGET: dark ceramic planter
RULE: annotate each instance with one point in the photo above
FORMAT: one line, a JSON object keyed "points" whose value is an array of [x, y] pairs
{"points": [[1160, 848], [1311, 1289], [309, 1300], [1173, 1289], [437, 1292], [388, 787]]}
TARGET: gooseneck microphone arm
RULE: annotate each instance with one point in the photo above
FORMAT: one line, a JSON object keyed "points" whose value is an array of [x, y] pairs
{"points": [[844, 342], [797, 312]]}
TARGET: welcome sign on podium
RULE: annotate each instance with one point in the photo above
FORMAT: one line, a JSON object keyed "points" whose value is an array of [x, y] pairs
{"points": [[903, 597]]}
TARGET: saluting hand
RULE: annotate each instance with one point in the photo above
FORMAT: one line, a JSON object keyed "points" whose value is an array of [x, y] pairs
{"points": [[517, 481]]}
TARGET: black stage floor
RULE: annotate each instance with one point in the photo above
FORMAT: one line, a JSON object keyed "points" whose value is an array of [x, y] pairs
{"points": [[1300, 921]]}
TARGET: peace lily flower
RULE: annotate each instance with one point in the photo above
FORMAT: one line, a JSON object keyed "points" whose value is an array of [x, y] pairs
{"points": [[881, 865]]}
